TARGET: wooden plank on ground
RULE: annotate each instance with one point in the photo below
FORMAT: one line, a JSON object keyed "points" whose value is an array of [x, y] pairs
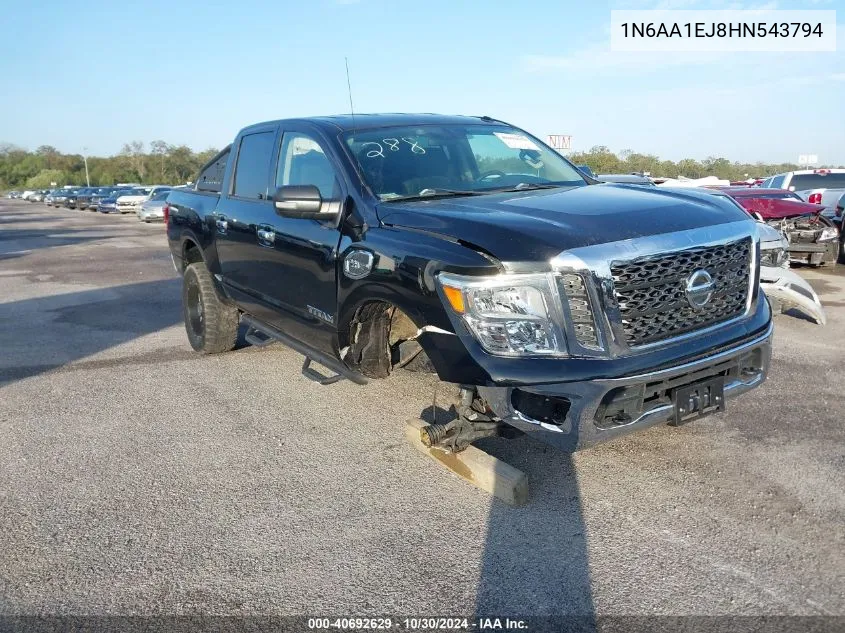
{"points": [[479, 468]]}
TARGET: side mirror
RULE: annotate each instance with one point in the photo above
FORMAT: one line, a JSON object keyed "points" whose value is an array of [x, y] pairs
{"points": [[299, 201], [586, 169]]}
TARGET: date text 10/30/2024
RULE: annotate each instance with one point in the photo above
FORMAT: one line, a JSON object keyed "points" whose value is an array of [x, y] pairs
{"points": [[418, 624]]}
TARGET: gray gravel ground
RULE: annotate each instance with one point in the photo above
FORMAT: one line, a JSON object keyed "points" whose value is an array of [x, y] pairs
{"points": [[139, 478]]}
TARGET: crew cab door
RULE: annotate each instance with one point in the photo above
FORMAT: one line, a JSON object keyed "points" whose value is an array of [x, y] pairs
{"points": [[244, 203], [295, 271]]}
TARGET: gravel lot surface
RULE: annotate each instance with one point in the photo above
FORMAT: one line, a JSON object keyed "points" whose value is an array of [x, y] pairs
{"points": [[137, 477]]}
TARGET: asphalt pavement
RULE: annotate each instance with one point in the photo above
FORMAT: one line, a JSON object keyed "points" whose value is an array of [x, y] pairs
{"points": [[137, 477]]}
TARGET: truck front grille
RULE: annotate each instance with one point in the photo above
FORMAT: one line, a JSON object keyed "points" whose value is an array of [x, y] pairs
{"points": [[651, 291]]}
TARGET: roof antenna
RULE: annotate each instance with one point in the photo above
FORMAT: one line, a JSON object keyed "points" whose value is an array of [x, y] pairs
{"points": [[349, 88], [352, 112]]}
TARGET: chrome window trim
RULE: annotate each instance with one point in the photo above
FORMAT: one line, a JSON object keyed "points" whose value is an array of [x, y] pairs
{"points": [[595, 262]]}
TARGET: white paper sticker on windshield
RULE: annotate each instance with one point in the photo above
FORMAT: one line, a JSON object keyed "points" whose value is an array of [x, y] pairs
{"points": [[516, 141]]}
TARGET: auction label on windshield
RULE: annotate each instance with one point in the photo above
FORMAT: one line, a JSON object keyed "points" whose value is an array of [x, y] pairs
{"points": [[515, 141], [763, 30]]}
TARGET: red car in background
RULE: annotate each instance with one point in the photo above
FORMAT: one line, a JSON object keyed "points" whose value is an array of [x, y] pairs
{"points": [[813, 239]]}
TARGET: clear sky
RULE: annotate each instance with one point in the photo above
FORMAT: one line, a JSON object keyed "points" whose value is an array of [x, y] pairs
{"points": [[97, 74]]}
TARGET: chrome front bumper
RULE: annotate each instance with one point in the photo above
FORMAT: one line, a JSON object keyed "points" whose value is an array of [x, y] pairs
{"points": [[744, 367]]}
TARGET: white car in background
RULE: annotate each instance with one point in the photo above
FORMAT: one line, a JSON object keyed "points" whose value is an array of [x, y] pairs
{"points": [[152, 209], [132, 203]]}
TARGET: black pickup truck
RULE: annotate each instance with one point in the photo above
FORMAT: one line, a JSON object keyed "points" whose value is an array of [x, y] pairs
{"points": [[569, 309]]}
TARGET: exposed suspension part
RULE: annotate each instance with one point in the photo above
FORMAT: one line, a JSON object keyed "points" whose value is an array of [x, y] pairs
{"points": [[472, 423]]}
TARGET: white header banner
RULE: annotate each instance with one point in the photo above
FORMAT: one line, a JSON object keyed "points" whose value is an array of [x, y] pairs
{"points": [[762, 30]]}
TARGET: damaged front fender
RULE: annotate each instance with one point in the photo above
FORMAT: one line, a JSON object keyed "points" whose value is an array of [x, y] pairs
{"points": [[787, 290]]}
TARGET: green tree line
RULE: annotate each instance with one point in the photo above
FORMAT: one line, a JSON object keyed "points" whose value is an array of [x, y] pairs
{"points": [[158, 163], [602, 161], [162, 163]]}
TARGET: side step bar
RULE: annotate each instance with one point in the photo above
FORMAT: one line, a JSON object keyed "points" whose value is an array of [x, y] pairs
{"points": [[261, 334]]}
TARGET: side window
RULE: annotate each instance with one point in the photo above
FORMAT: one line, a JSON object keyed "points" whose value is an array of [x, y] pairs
{"points": [[211, 177], [767, 183], [303, 162], [251, 171], [777, 181]]}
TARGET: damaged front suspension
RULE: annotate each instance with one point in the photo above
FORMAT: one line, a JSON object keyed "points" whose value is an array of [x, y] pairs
{"points": [[472, 423]]}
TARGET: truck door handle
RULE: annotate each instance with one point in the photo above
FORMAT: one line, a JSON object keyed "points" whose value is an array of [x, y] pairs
{"points": [[266, 236], [222, 225]]}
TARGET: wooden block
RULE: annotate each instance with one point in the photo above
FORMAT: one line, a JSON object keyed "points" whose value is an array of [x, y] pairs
{"points": [[479, 468]]}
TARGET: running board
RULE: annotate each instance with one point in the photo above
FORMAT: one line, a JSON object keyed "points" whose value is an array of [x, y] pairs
{"points": [[261, 334]]}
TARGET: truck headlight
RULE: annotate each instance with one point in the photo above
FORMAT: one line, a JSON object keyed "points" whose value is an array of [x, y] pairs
{"points": [[829, 233], [775, 257], [509, 315]]}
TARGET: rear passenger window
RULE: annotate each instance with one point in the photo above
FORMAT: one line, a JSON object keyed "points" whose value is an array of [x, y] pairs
{"points": [[777, 181], [211, 176], [252, 172]]}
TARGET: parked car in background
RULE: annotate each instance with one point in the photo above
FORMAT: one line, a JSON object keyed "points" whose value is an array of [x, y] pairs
{"points": [[59, 197], [38, 196], [12, 195], [99, 194], [132, 202], [83, 197], [72, 195], [816, 186], [152, 209], [109, 203], [813, 238], [25, 195]]}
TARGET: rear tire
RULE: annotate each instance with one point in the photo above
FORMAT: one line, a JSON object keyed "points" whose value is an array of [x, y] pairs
{"points": [[211, 325]]}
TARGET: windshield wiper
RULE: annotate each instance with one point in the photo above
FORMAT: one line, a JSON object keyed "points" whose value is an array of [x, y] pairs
{"points": [[528, 186], [437, 192]]}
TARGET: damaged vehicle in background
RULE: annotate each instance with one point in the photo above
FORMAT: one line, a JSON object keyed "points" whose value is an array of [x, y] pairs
{"points": [[785, 289], [574, 311], [813, 238]]}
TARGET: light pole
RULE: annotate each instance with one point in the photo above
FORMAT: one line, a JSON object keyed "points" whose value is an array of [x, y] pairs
{"points": [[85, 158]]}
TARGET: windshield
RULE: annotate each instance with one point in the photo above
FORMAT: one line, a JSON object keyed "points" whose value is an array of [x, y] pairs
{"points": [[411, 162]]}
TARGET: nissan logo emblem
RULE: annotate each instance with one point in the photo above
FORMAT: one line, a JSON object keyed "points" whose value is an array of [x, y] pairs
{"points": [[699, 288]]}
